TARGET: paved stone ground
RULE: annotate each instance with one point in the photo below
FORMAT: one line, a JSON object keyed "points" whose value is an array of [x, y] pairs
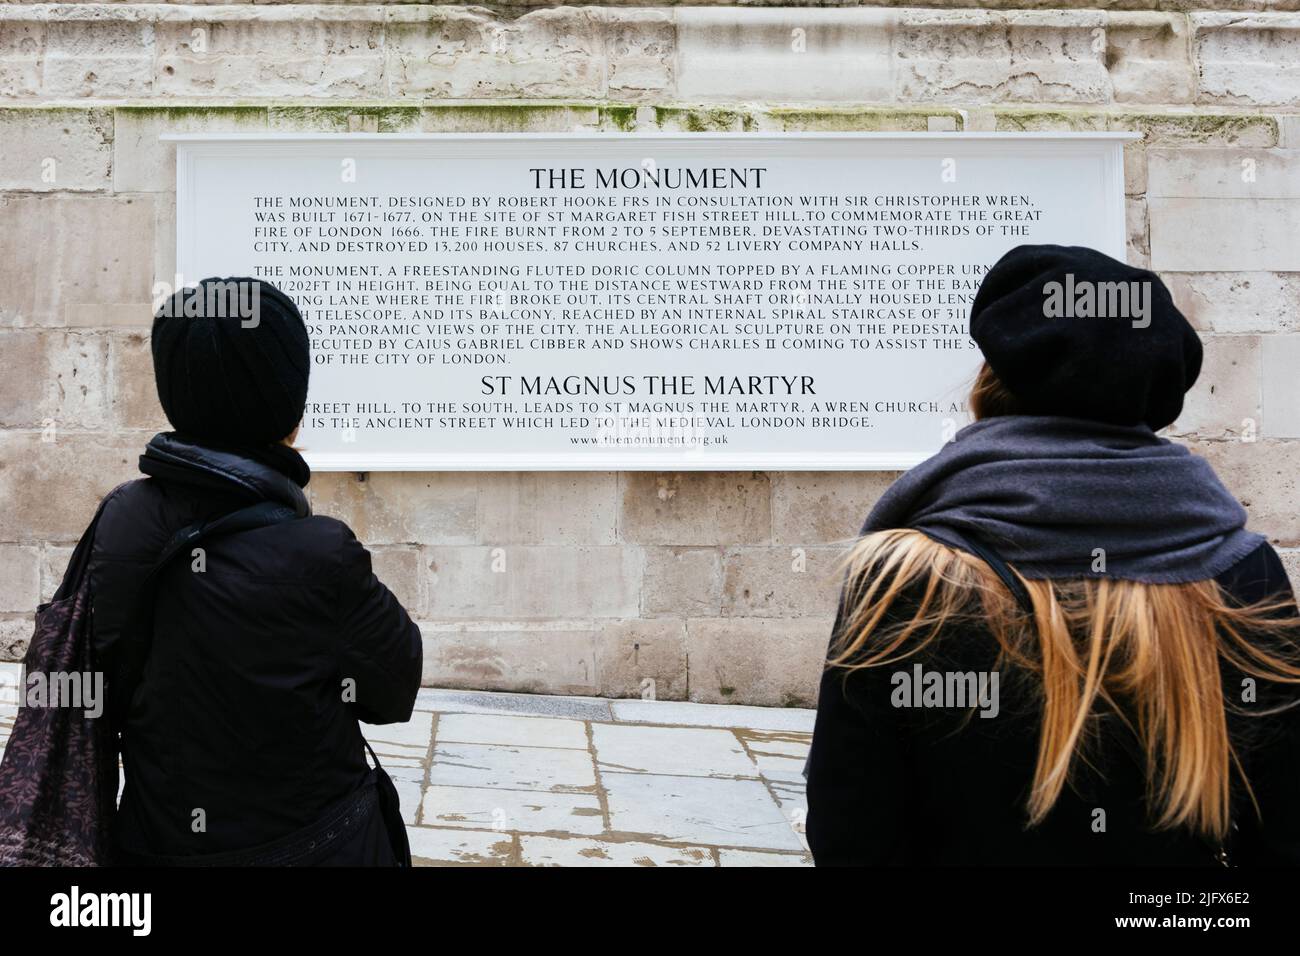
{"points": [[492, 779]]}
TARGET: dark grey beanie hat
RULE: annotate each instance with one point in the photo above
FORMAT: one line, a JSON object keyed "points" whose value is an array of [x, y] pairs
{"points": [[231, 359]]}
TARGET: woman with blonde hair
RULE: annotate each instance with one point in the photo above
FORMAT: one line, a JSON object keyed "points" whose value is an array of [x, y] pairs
{"points": [[1057, 643]]}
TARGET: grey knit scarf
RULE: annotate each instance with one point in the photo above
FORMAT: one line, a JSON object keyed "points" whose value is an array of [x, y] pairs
{"points": [[1046, 493]]}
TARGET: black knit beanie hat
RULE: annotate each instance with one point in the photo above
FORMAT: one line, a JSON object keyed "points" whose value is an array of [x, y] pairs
{"points": [[1070, 331], [231, 359]]}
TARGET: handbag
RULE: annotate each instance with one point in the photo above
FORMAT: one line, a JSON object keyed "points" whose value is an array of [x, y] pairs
{"points": [[58, 778]]}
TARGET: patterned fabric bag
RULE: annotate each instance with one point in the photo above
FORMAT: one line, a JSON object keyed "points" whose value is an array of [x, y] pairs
{"points": [[58, 779]]}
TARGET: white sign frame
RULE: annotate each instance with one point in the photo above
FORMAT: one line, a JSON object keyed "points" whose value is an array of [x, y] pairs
{"points": [[1105, 147]]}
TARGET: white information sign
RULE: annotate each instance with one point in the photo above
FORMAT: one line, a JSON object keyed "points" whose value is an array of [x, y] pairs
{"points": [[600, 301]]}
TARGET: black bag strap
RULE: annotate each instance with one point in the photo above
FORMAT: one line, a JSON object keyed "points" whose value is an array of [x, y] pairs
{"points": [[138, 637], [390, 809], [973, 543], [79, 563]]}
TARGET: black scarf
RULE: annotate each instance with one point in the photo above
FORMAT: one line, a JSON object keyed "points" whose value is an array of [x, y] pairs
{"points": [[1067, 498], [254, 473]]}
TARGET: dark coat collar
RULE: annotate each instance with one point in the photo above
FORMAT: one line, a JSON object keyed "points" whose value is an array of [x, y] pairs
{"points": [[261, 473]]}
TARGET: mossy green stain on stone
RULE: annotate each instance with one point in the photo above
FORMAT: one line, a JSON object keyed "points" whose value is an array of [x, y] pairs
{"points": [[622, 118], [1247, 130], [1034, 120], [174, 113], [704, 119], [856, 120], [509, 117], [388, 119]]}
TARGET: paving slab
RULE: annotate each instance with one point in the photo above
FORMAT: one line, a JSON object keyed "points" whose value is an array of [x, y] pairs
{"points": [[489, 702], [713, 715], [698, 810], [459, 847], [689, 751], [512, 730], [525, 811], [512, 768], [413, 733]]}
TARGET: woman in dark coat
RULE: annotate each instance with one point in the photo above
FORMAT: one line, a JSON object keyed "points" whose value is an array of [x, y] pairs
{"points": [[239, 726], [1057, 643]]}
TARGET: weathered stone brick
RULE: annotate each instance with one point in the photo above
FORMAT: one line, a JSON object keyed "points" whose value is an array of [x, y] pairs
{"points": [[771, 662], [995, 57], [269, 52], [51, 488], [507, 118], [1238, 302], [144, 163], [54, 564], [682, 582], [1249, 235], [1136, 164], [360, 118], [547, 507], [1225, 402], [780, 582], [1138, 231], [165, 279], [527, 582], [56, 148], [402, 570], [1281, 386], [459, 53], [90, 54], [704, 119], [1048, 120], [1225, 173], [20, 578], [1289, 130], [832, 119], [53, 377], [640, 50], [72, 252], [1149, 57], [15, 635], [529, 658], [1242, 130], [22, 55], [824, 507], [1265, 476], [1247, 60], [392, 507], [785, 55], [134, 393], [696, 508], [641, 659]]}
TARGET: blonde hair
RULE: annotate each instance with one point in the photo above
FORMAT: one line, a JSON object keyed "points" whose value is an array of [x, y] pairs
{"points": [[1151, 653]]}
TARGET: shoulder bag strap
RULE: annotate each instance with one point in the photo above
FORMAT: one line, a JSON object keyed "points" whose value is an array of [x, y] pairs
{"points": [[390, 809], [138, 637], [974, 544]]}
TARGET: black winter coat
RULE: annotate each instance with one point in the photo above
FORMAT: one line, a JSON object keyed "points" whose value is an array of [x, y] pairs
{"points": [[891, 785], [239, 718]]}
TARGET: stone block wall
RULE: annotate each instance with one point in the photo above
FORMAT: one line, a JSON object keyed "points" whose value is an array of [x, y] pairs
{"points": [[715, 587]]}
